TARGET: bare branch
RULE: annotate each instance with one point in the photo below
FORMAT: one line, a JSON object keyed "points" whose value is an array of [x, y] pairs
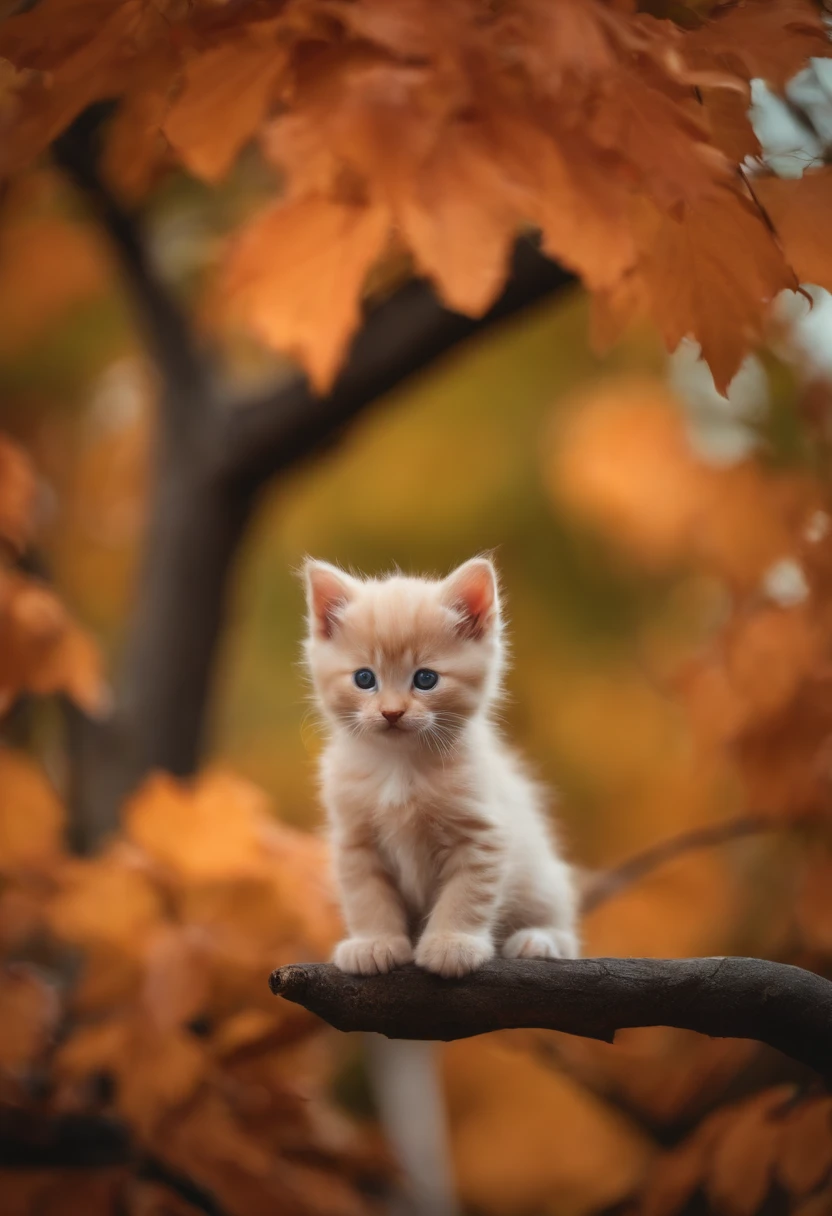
{"points": [[746, 998], [609, 883]]}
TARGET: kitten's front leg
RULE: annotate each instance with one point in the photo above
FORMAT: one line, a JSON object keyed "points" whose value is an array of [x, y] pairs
{"points": [[458, 937], [378, 939]]}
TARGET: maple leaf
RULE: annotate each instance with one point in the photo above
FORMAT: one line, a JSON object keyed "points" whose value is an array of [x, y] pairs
{"points": [[224, 96], [295, 275], [770, 39], [106, 900], [212, 828], [712, 274], [799, 211]]}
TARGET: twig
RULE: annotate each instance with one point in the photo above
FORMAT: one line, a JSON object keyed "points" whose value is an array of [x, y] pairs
{"points": [[611, 882], [746, 998]]}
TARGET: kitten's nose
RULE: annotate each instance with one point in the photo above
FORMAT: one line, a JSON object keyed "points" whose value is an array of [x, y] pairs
{"points": [[392, 715]]}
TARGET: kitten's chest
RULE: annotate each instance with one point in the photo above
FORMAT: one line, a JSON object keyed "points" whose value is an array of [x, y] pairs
{"points": [[408, 821]]}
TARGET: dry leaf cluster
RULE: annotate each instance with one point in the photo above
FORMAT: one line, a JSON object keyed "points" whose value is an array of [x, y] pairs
{"points": [[619, 135]]}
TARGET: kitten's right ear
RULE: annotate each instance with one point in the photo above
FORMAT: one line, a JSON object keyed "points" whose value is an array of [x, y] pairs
{"points": [[328, 589]]}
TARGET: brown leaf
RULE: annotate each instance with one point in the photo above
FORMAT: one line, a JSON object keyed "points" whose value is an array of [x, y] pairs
{"points": [[805, 1156], [18, 491], [224, 97], [41, 649], [771, 39], [726, 111], [712, 274], [800, 212], [459, 219], [29, 1011], [813, 911], [295, 275], [677, 1174], [31, 817], [742, 1167], [177, 977]]}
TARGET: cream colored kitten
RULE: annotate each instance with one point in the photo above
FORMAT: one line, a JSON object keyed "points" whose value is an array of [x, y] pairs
{"points": [[439, 836]]}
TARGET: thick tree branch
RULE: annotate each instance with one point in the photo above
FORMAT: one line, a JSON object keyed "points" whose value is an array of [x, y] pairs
{"points": [[786, 1007], [403, 336], [166, 330]]}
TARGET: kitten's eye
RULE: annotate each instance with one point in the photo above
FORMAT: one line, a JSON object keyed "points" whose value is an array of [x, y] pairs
{"points": [[365, 679], [425, 679]]}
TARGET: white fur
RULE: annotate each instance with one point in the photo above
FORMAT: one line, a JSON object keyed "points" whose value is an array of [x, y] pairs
{"points": [[440, 839]]}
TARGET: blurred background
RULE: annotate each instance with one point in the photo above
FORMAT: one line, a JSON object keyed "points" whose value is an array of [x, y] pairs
{"points": [[666, 557]]}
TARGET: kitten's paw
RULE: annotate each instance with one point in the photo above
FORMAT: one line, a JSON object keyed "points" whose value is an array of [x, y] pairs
{"points": [[453, 954], [372, 955], [542, 943]]}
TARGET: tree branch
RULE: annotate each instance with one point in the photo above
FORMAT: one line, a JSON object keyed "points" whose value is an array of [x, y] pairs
{"points": [[746, 998], [167, 332], [610, 882], [400, 337]]}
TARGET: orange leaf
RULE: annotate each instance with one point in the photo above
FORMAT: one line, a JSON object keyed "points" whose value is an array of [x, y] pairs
{"points": [[771, 39], [712, 274], [800, 212], [459, 219], [18, 489], [176, 981], [105, 901], [212, 828], [41, 649], [29, 1011], [814, 905], [805, 1156], [743, 1161], [224, 97], [295, 276], [31, 817]]}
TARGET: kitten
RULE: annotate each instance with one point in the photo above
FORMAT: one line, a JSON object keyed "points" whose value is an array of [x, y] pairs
{"points": [[439, 836]]}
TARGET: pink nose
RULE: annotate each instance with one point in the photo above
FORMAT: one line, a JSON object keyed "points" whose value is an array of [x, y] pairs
{"points": [[392, 715]]}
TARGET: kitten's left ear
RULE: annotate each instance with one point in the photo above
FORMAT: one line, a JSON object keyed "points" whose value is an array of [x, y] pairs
{"points": [[472, 591], [328, 589]]}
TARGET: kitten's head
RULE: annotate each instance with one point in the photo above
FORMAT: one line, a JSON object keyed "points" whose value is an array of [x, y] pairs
{"points": [[406, 661]]}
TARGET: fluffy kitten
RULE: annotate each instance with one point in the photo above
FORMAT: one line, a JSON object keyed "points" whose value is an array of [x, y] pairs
{"points": [[439, 837]]}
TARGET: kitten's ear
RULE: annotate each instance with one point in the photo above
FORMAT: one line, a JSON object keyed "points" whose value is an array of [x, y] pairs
{"points": [[472, 591], [328, 589]]}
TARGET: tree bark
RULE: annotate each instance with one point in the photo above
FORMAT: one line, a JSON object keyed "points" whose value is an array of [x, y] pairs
{"points": [[747, 998]]}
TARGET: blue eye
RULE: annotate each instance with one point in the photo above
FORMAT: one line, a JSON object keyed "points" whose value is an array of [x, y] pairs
{"points": [[425, 679], [365, 679]]}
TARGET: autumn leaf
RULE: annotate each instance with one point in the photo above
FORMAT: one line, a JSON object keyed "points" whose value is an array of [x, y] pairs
{"points": [[29, 1011], [771, 39], [295, 275], [18, 489], [105, 900], [742, 1166], [223, 98], [712, 274], [804, 1156], [800, 212], [31, 816], [41, 649], [211, 828]]}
